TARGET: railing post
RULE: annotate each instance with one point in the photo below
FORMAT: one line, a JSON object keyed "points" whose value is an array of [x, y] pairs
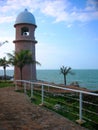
{"points": [[80, 110], [42, 95], [31, 90], [80, 121], [24, 87]]}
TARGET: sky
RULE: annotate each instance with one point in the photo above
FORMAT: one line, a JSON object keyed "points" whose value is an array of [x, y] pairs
{"points": [[67, 31]]}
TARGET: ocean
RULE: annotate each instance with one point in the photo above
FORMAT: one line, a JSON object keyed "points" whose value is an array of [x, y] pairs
{"points": [[85, 78]]}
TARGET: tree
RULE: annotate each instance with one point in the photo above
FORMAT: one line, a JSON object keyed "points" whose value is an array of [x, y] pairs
{"points": [[20, 59], [1, 43], [4, 63], [65, 71]]}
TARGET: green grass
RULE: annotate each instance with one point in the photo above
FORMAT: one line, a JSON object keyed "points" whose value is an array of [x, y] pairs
{"points": [[6, 83]]}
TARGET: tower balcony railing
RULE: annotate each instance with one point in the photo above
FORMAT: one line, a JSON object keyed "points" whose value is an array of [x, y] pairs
{"points": [[77, 105]]}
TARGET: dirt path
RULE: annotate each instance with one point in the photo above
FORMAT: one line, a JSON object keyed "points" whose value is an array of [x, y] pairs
{"points": [[17, 113]]}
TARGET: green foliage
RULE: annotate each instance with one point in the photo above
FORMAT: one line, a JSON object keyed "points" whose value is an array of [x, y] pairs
{"points": [[20, 59], [4, 63], [1, 43]]}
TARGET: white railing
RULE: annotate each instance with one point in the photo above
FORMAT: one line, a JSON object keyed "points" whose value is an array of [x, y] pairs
{"points": [[43, 85]]}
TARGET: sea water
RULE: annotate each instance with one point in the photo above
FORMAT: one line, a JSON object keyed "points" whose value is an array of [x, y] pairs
{"points": [[85, 78]]}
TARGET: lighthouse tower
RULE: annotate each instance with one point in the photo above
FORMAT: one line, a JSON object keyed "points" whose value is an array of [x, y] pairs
{"points": [[25, 27]]}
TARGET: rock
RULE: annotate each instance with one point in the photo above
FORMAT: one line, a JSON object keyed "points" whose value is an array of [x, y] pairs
{"points": [[57, 107], [76, 84]]}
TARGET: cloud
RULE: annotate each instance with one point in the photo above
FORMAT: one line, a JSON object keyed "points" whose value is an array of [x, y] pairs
{"points": [[60, 10], [69, 25], [55, 9], [6, 19], [92, 5]]}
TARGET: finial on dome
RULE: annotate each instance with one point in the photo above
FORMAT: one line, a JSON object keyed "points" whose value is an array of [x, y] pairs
{"points": [[26, 10]]}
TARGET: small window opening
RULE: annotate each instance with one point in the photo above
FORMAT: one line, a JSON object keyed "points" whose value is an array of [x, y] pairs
{"points": [[25, 31]]}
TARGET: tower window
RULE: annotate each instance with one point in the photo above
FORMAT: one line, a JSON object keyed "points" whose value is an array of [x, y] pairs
{"points": [[25, 31]]}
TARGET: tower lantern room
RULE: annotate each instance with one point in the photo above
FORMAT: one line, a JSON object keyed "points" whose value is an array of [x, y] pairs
{"points": [[25, 40]]}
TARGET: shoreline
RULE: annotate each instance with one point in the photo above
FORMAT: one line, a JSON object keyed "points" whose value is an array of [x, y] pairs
{"points": [[69, 86], [73, 85], [85, 78]]}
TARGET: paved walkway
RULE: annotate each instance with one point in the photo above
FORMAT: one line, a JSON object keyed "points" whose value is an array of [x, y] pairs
{"points": [[17, 113]]}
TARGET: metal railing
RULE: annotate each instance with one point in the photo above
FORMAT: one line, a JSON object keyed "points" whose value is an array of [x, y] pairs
{"points": [[80, 94]]}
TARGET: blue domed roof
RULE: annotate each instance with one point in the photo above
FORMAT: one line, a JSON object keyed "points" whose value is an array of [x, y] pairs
{"points": [[25, 17]]}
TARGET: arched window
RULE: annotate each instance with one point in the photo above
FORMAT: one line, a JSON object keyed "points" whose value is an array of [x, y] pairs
{"points": [[25, 31]]}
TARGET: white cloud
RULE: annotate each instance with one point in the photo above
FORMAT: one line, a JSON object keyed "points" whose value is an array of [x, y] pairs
{"points": [[7, 19], [56, 9], [61, 10], [92, 5], [69, 25]]}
